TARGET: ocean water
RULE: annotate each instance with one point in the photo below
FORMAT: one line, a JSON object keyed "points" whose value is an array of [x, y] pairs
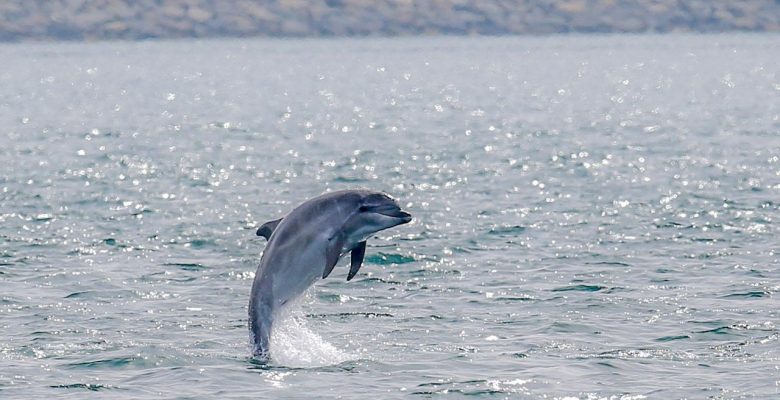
{"points": [[595, 217]]}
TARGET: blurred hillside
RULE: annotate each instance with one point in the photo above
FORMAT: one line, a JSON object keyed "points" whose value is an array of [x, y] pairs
{"points": [[140, 19]]}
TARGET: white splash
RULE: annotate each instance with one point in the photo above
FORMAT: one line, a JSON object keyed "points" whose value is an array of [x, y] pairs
{"points": [[294, 344]]}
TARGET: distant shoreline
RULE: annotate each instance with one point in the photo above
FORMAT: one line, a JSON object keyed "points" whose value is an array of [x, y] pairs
{"points": [[80, 20], [539, 36]]}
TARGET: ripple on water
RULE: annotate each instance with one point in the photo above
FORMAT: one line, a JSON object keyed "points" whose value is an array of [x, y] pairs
{"points": [[92, 387], [381, 258], [187, 266], [579, 288], [126, 362], [752, 294], [474, 387]]}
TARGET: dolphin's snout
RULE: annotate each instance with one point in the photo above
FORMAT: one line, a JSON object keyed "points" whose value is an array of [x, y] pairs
{"points": [[392, 210], [404, 216]]}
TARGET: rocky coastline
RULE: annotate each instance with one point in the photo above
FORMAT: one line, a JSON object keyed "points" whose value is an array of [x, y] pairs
{"points": [[146, 19]]}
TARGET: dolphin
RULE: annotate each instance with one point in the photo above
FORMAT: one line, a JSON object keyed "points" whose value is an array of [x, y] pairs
{"points": [[306, 244]]}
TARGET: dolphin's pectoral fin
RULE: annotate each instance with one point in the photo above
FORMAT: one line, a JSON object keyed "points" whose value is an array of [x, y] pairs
{"points": [[332, 254], [267, 228], [356, 259]]}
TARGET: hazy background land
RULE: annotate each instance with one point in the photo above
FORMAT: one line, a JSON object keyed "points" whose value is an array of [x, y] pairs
{"points": [[144, 19]]}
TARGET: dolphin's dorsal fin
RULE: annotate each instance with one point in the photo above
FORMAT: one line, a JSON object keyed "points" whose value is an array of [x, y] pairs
{"points": [[332, 253], [268, 228], [356, 259]]}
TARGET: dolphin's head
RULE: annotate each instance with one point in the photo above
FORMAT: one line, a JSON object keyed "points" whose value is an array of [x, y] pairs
{"points": [[374, 212], [383, 210]]}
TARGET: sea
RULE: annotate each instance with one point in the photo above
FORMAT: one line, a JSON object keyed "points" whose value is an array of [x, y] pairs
{"points": [[595, 216]]}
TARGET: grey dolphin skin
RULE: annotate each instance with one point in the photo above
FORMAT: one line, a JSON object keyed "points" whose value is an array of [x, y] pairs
{"points": [[306, 244]]}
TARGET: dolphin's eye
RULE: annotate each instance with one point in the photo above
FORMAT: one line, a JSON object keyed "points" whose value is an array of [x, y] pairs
{"points": [[363, 208]]}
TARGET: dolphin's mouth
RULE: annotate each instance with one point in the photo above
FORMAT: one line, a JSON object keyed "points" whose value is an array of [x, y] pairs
{"points": [[393, 212]]}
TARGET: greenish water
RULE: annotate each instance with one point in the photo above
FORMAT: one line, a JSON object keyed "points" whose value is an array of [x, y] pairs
{"points": [[594, 216]]}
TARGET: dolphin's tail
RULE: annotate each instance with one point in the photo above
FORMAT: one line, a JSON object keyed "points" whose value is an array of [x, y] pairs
{"points": [[261, 341], [260, 323]]}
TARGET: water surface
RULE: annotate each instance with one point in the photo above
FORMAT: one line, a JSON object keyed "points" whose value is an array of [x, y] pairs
{"points": [[594, 216]]}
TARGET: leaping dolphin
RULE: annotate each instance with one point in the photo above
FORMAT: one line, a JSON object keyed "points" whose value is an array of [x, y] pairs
{"points": [[306, 244]]}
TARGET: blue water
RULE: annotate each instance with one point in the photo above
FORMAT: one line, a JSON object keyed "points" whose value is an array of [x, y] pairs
{"points": [[595, 217]]}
